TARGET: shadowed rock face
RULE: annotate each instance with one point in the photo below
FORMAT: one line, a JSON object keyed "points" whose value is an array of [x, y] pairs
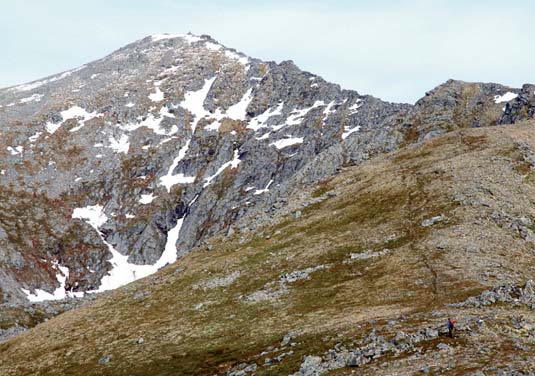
{"points": [[183, 131], [520, 108]]}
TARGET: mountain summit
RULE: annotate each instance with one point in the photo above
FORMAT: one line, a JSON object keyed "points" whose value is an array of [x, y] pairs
{"points": [[118, 166]]}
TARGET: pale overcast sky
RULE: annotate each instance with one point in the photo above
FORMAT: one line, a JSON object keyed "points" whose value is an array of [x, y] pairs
{"points": [[395, 50]]}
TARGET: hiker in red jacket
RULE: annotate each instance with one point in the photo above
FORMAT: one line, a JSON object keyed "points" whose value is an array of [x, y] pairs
{"points": [[451, 326]]}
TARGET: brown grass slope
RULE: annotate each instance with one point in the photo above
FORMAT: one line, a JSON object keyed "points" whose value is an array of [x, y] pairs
{"points": [[217, 308]]}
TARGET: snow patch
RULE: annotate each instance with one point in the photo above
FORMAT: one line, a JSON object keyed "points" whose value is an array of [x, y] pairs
{"points": [[238, 110], [259, 121], [355, 107], [93, 215], [33, 98], [169, 254], [164, 111], [285, 142], [265, 190], [119, 146], [296, 116], [75, 112], [213, 46], [59, 293], [147, 199], [232, 164], [166, 140], [51, 127], [123, 272], [329, 109], [194, 102], [169, 181], [157, 96], [15, 150], [265, 136], [240, 59], [348, 131], [507, 97], [152, 122], [35, 137]]}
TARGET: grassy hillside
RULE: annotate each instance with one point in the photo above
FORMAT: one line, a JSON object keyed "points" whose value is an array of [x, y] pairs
{"points": [[390, 245]]}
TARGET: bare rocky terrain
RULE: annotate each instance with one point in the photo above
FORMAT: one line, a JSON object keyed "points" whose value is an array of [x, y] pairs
{"points": [[298, 228], [165, 131]]}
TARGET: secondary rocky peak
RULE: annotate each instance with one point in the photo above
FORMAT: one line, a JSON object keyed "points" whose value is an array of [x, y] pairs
{"points": [[474, 91], [458, 104]]}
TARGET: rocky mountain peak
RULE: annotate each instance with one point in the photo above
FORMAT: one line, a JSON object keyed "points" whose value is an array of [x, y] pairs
{"points": [[117, 167], [458, 104]]}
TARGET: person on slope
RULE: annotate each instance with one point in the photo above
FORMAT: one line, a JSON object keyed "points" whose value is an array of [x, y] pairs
{"points": [[451, 325]]}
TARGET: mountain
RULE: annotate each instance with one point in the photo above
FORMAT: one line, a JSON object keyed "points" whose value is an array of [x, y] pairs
{"points": [[107, 168], [176, 143]]}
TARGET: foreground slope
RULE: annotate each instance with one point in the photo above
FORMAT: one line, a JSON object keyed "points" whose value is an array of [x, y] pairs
{"points": [[359, 271]]}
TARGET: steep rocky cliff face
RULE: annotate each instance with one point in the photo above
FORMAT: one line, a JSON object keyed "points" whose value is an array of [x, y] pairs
{"points": [[112, 170], [145, 153], [521, 107]]}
